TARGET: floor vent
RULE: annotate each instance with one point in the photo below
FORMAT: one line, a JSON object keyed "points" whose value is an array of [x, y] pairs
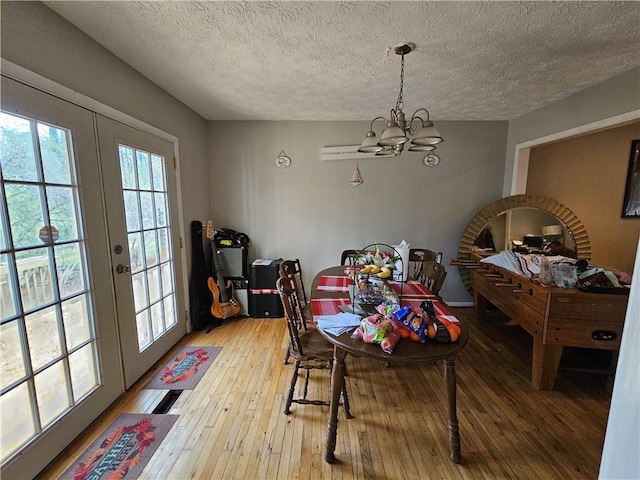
{"points": [[167, 402]]}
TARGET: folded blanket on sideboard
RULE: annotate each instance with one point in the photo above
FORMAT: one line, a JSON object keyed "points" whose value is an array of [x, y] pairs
{"points": [[525, 264]]}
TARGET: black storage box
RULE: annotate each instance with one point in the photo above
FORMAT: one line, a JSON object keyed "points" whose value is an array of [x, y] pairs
{"points": [[264, 300]]}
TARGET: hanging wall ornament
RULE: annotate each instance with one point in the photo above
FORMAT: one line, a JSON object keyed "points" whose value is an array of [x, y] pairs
{"points": [[283, 160], [431, 160], [356, 178]]}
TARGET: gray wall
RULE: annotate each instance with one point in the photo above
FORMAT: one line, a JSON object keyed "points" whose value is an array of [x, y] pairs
{"points": [[36, 38], [310, 210]]}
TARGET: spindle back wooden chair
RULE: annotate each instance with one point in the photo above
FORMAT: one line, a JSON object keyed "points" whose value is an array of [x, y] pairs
{"points": [[417, 257], [432, 276], [293, 269], [350, 256], [308, 348]]}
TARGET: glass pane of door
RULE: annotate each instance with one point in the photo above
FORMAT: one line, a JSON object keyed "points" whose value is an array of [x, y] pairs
{"points": [[43, 274], [147, 227]]}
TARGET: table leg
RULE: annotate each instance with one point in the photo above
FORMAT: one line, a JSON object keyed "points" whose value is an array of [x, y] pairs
{"points": [[337, 379], [454, 432], [480, 305], [544, 366]]}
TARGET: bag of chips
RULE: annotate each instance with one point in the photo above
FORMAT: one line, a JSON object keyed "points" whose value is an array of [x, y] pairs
{"points": [[413, 320]]}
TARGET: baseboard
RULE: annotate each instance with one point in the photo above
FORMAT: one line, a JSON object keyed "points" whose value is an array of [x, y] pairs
{"points": [[460, 304]]}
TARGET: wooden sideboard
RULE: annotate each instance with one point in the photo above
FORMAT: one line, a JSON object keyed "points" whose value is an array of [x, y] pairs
{"points": [[555, 317]]}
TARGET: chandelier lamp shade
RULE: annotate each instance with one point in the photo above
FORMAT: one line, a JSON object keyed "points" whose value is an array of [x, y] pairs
{"points": [[397, 131]]}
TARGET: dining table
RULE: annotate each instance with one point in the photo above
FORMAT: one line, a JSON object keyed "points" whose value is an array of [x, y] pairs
{"points": [[332, 288]]}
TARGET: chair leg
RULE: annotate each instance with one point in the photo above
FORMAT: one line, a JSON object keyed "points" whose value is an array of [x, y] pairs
{"points": [[286, 357], [292, 387], [305, 389], [345, 401]]}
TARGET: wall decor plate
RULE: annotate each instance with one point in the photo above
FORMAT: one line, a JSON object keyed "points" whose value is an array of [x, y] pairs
{"points": [[283, 160], [431, 160]]}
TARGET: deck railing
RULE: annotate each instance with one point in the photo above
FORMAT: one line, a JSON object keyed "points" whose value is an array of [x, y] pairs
{"points": [[34, 279]]}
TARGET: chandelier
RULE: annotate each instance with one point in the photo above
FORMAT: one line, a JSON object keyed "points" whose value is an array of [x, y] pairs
{"points": [[396, 134]]}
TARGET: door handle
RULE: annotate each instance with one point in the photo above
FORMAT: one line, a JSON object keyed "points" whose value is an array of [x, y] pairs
{"points": [[120, 268]]}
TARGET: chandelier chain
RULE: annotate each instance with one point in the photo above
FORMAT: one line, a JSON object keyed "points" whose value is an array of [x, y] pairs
{"points": [[400, 101]]}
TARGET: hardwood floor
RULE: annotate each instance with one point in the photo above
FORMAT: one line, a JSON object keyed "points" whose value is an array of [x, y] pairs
{"points": [[232, 426]]}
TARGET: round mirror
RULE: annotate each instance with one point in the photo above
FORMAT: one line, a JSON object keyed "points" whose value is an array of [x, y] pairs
{"points": [[524, 218], [525, 228]]}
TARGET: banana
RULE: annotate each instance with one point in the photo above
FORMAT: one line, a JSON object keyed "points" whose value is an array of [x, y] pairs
{"points": [[366, 269], [384, 272], [375, 269]]}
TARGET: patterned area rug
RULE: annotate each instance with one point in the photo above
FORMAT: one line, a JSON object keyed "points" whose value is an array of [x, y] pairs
{"points": [[124, 449], [185, 369]]}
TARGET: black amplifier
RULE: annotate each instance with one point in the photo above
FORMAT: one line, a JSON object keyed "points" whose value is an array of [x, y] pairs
{"points": [[233, 261]]}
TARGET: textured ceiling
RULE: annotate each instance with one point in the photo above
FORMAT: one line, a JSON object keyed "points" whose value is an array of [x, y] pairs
{"points": [[329, 60]]}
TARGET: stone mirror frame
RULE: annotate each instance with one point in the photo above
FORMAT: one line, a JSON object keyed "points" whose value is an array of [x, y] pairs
{"points": [[570, 221]]}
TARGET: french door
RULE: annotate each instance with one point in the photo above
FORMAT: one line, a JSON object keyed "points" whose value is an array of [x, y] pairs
{"points": [[59, 361], [89, 262], [139, 177]]}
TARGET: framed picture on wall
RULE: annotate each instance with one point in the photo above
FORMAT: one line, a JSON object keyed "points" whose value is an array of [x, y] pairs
{"points": [[631, 205]]}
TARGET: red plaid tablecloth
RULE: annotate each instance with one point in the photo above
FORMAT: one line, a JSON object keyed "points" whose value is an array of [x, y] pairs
{"points": [[326, 306], [413, 294], [334, 283], [412, 288]]}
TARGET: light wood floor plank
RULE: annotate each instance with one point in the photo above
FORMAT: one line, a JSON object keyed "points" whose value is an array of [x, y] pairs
{"points": [[232, 426]]}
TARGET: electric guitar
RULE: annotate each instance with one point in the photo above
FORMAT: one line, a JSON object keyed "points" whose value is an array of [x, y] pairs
{"points": [[224, 305]]}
